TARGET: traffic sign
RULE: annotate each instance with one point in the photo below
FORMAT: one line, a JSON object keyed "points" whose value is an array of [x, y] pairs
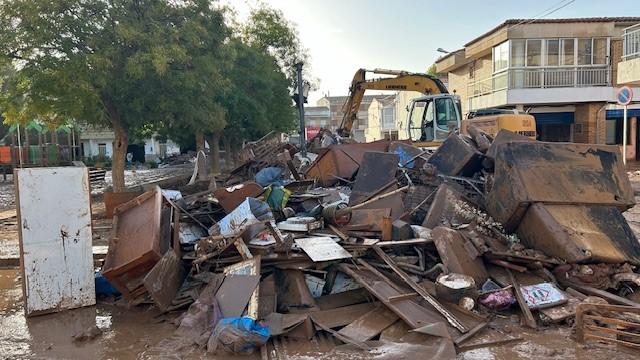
{"points": [[625, 95]]}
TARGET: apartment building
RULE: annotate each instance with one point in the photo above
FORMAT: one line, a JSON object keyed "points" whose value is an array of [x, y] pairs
{"points": [[335, 103], [629, 66], [388, 117], [562, 71]]}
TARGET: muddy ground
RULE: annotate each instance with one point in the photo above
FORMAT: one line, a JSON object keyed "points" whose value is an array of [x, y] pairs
{"points": [[142, 333]]}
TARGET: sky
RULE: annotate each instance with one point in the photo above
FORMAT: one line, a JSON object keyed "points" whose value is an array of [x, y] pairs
{"points": [[344, 35]]}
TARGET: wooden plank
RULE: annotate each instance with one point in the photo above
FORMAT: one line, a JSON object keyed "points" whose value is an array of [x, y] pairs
{"points": [[421, 291], [615, 341], [370, 324], [54, 213], [615, 299], [529, 320], [411, 312], [242, 249]]}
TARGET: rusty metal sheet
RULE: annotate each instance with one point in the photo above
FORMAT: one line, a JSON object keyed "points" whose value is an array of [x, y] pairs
{"points": [[248, 267], [457, 156], [580, 233], [232, 196], [113, 200], [394, 202], [556, 173], [443, 208], [54, 213], [341, 161], [504, 136], [376, 171], [235, 293], [453, 250], [370, 217], [342, 316], [135, 246], [369, 325], [164, 279]]}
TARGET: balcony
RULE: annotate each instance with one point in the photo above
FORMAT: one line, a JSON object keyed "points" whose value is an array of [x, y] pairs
{"points": [[629, 67], [539, 85]]}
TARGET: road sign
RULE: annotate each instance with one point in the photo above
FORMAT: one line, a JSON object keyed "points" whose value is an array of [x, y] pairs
{"points": [[625, 95]]}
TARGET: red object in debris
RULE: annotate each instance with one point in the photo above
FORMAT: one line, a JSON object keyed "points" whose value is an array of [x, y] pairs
{"points": [[312, 131]]}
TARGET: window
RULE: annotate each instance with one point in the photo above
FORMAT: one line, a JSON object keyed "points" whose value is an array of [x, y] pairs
{"points": [[599, 51], [517, 53], [501, 57], [534, 52], [553, 52], [584, 51], [102, 150], [445, 113], [472, 70], [388, 118], [567, 51]]}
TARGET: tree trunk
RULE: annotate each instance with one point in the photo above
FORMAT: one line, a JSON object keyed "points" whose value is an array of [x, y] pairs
{"points": [[214, 152], [227, 154], [199, 141], [119, 153]]}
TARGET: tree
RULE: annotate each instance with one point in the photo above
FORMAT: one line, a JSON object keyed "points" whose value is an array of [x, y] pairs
{"points": [[268, 30], [128, 64], [432, 70], [258, 101]]}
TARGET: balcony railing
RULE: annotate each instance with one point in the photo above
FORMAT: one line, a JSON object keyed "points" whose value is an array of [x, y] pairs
{"points": [[540, 78], [631, 43]]}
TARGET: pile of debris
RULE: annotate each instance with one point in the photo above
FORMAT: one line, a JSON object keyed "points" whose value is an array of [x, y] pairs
{"points": [[385, 242]]}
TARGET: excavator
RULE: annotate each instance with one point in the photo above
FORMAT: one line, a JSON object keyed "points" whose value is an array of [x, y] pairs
{"points": [[432, 116]]}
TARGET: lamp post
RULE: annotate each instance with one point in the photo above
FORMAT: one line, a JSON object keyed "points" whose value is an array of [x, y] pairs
{"points": [[300, 98]]}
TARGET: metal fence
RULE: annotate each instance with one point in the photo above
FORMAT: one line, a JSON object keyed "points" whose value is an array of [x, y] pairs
{"points": [[631, 42]]}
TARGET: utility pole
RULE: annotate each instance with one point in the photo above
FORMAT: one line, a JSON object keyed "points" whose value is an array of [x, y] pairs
{"points": [[300, 101]]}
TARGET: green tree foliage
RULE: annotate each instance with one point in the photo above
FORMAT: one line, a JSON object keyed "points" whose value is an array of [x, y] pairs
{"points": [[432, 70], [129, 64], [268, 30]]}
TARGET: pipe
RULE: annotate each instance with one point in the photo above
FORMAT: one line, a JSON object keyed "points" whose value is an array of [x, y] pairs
{"points": [[598, 122]]}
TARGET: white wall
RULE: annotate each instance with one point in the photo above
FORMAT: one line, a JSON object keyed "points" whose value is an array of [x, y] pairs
{"points": [[91, 147]]}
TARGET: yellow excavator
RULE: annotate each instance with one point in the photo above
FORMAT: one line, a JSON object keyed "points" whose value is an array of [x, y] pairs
{"points": [[432, 116]]}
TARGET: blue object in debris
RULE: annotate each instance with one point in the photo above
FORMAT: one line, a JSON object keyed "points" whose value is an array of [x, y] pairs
{"points": [[269, 176], [103, 287]]}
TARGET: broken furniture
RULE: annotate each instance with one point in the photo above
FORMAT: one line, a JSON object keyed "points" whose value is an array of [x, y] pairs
{"points": [[55, 245]]}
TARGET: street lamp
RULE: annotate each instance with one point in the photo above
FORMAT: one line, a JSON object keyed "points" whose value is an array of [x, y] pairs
{"points": [[300, 97], [442, 50]]}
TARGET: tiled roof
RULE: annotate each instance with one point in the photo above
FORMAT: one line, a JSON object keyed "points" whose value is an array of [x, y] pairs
{"points": [[626, 19]]}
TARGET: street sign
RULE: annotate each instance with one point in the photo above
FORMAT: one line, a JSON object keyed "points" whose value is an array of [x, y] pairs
{"points": [[625, 95]]}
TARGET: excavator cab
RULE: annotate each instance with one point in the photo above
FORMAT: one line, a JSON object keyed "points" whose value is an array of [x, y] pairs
{"points": [[433, 117]]}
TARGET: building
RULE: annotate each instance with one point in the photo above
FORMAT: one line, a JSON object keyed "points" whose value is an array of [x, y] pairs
{"points": [[629, 66], [562, 71], [335, 103], [98, 142], [387, 117]]}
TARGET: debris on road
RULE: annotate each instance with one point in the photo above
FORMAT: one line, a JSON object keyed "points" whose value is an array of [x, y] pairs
{"points": [[384, 242]]}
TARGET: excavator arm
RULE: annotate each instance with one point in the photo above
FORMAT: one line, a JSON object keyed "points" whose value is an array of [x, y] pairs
{"points": [[403, 81]]}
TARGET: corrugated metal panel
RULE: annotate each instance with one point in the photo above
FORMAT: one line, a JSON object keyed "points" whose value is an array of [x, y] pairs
{"points": [[54, 214]]}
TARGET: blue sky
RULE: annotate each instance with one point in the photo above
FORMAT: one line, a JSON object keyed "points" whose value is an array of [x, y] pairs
{"points": [[344, 35]]}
